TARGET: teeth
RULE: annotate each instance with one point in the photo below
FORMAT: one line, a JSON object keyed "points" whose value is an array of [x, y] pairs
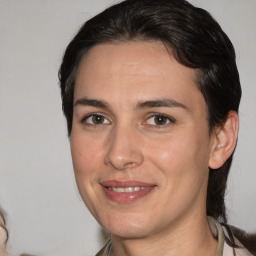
{"points": [[127, 189], [119, 190]]}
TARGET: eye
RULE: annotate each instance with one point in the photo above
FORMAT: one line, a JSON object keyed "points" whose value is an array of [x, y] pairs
{"points": [[159, 120], [95, 119]]}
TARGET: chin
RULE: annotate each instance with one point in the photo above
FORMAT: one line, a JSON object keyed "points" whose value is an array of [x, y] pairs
{"points": [[128, 233], [128, 226]]}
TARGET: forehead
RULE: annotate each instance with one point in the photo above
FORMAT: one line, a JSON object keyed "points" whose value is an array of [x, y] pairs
{"points": [[135, 71], [133, 58]]}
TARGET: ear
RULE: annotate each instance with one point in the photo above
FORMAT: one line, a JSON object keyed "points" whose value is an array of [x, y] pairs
{"points": [[225, 138]]}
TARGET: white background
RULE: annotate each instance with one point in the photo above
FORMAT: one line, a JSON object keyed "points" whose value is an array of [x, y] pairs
{"points": [[44, 211]]}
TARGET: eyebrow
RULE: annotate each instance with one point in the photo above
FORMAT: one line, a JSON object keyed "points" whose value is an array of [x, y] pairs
{"points": [[161, 103], [92, 102], [141, 105]]}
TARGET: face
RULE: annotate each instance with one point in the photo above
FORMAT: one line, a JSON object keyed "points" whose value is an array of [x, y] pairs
{"points": [[140, 139]]}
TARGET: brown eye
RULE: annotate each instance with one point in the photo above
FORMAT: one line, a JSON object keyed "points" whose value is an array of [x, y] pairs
{"points": [[96, 120], [159, 120]]}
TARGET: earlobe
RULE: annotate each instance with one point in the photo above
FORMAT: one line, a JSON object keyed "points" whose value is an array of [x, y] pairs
{"points": [[225, 138]]}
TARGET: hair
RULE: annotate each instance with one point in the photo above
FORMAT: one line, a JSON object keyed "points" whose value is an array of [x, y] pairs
{"points": [[195, 40]]}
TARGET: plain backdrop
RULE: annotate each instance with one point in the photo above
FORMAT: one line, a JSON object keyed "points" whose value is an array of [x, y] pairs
{"points": [[45, 214]]}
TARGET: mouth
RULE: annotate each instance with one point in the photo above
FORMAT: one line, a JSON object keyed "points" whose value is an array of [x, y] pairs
{"points": [[126, 189], [125, 192]]}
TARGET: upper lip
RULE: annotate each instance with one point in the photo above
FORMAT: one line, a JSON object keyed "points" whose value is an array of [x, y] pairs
{"points": [[124, 184]]}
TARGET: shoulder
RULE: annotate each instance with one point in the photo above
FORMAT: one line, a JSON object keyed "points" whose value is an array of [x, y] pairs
{"points": [[105, 251], [228, 251]]}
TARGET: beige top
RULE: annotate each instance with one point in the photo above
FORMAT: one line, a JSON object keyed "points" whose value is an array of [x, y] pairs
{"points": [[228, 251], [223, 248]]}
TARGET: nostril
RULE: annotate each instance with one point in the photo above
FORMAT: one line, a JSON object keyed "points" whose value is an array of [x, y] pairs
{"points": [[130, 165]]}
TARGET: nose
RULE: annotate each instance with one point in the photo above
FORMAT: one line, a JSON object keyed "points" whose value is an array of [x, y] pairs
{"points": [[124, 149]]}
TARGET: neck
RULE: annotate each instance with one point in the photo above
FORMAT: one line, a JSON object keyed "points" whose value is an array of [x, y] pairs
{"points": [[192, 237]]}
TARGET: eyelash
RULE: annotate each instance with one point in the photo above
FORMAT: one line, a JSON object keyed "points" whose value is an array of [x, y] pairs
{"points": [[159, 115], [86, 118], [156, 115]]}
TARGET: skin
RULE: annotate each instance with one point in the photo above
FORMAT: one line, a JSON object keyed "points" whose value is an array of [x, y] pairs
{"points": [[129, 143]]}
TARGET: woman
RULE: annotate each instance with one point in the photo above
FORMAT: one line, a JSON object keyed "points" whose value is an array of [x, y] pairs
{"points": [[3, 236], [151, 93]]}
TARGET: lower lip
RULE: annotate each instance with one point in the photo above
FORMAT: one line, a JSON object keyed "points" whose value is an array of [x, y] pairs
{"points": [[126, 197]]}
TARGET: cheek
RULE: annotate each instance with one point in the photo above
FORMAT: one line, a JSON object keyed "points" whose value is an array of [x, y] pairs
{"points": [[183, 154], [86, 154]]}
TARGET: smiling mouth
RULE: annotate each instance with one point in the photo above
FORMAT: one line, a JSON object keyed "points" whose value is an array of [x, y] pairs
{"points": [[127, 189], [125, 192]]}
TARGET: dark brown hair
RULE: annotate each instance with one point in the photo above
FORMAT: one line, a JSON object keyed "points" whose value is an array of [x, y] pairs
{"points": [[196, 40]]}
